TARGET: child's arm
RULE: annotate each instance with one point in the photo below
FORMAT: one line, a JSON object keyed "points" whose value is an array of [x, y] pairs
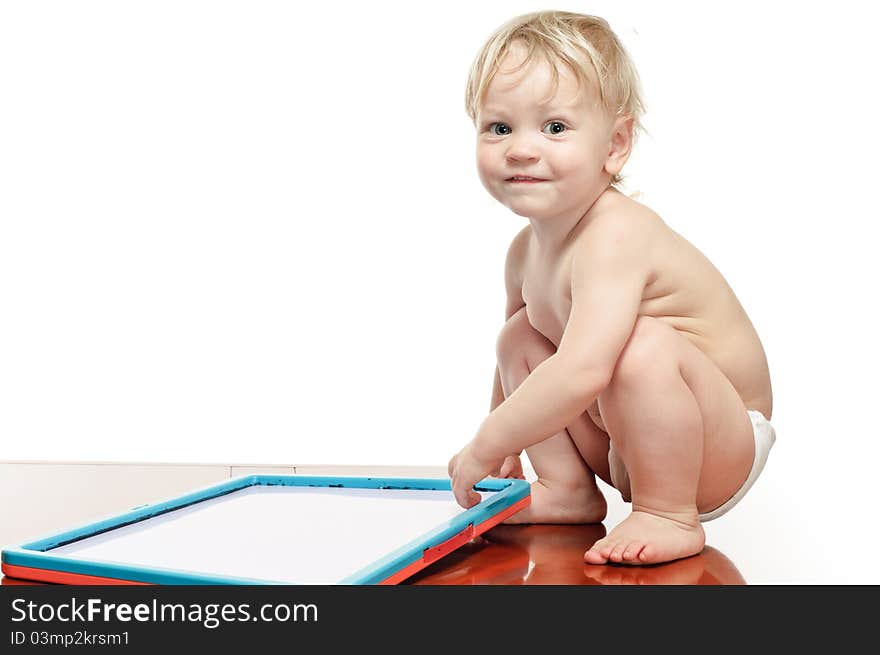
{"points": [[513, 281], [608, 275], [497, 391], [511, 467]]}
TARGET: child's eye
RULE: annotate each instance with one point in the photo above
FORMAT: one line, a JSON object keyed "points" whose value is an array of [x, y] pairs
{"points": [[499, 129], [554, 127]]}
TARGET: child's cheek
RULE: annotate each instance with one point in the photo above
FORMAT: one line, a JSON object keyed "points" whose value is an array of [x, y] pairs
{"points": [[487, 171], [577, 159], [483, 159]]}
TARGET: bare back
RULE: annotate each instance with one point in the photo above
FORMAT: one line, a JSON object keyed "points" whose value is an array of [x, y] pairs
{"points": [[685, 290]]}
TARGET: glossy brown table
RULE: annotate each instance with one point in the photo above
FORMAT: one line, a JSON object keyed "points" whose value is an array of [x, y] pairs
{"points": [[553, 555]]}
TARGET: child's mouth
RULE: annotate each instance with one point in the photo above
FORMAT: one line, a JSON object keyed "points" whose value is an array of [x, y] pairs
{"points": [[524, 179]]}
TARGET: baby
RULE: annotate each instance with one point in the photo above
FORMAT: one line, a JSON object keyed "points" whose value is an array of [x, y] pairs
{"points": [[625, 354]]}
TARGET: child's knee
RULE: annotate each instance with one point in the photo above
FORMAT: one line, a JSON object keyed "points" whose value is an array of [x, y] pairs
{"points": [[650, 350], [518, 340]]}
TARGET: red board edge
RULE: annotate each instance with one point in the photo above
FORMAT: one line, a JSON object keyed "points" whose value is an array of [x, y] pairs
{"points": [[61, 577]]}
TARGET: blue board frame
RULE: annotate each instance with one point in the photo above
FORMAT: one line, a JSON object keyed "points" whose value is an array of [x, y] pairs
{"points": [[37, 554]]}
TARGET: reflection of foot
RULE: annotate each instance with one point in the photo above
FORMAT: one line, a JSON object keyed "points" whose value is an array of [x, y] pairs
{"points": [[644, 538], [687, 571], [557, 504]]}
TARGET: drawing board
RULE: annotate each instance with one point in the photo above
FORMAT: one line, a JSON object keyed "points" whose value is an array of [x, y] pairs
{"points": [[273, 530]]}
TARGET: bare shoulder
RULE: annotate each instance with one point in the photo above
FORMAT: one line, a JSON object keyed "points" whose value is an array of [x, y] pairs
{"points": [[622, 231]]}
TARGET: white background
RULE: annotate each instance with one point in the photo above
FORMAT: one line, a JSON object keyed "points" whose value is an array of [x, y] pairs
{"points": [[253, 231]]}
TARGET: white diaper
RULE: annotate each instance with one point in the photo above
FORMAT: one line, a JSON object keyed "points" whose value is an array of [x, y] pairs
{"points": [[765, 436]]}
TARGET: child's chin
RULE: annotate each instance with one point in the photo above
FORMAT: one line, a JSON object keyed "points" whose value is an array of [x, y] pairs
{"points": [[521, 209]]}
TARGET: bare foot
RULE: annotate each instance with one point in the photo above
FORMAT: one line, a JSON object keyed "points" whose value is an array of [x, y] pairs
{"points": [[557, 504], [646, 538]]}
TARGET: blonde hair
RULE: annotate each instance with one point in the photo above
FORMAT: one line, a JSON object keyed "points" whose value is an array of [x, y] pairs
{"points": [[580, 42]]}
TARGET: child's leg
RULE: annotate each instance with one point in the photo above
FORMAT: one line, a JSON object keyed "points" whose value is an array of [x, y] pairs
{"points": [[565, 491], [684, 436]]}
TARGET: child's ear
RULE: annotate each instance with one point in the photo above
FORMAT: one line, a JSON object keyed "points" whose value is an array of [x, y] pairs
{"points": [[620, 145]]}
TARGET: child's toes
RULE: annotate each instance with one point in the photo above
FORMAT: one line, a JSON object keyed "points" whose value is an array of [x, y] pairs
{"points": [[593, 556], [632, 551], [599, 552], [617, 553], [607, 549]]}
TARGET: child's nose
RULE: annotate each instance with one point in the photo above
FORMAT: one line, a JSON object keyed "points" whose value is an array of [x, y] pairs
{"points": [[522, 149]]}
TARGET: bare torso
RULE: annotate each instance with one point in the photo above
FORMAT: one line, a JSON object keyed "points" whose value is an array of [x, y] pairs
{"points": [[685, 290]]}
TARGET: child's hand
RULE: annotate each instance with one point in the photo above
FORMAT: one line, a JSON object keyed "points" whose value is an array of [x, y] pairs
{"points": [[466, 469]]}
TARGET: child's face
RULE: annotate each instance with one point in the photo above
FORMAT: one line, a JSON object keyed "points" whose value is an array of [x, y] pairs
{"points": [[564, 142]]}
